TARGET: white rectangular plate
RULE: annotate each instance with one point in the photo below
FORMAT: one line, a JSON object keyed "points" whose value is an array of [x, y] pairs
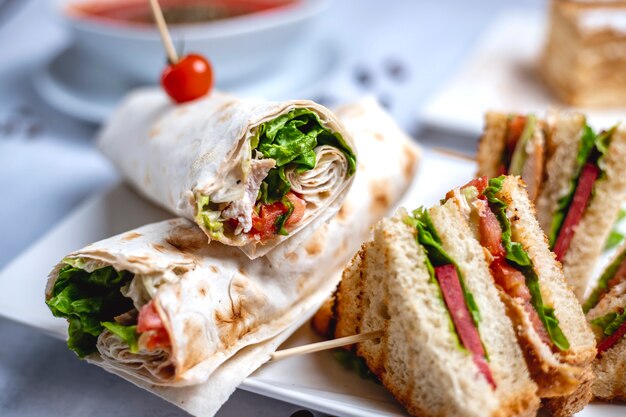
{"points": [[316, 381], [501, 74]]}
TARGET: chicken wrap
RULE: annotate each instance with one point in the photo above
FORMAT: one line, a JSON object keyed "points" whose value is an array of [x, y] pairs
{"points": [[250, 173], [189, 321]]}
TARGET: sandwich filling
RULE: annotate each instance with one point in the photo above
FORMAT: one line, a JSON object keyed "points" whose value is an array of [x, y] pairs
{"points": [[271, 195], [105, 301], [613, 275], [571, 206], [519, 132], [509, 263], [612, 328], [460, 304]]}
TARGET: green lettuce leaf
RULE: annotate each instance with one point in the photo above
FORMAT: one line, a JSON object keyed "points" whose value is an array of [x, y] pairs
{"points": [[209, 217], [518, 258], [86, 299], [290, 139], [610, 322], [603, 282], [436, 256], [274, 187], [280, 220], [352, 362], [519, 154], [126, 333], [591, 146]]}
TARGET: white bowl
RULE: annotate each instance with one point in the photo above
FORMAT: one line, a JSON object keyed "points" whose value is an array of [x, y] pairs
{"points": [[238, 47]]}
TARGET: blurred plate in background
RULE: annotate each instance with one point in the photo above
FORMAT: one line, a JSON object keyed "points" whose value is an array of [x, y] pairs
{"points": [[80, 87], [238, 46]]}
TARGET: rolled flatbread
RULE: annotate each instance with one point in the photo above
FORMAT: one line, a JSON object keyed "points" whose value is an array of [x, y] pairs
{"points": [[205, 316], [250, 173]]}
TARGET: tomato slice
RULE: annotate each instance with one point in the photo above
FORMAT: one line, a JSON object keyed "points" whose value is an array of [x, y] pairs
{"points": [[502, 170], [264, 223], [513, 282], [150, 321], [298, 209], [149, 318], [588, 176], [480, 183], [490, 231], [463, 323], [611, 340], [510, 279]]}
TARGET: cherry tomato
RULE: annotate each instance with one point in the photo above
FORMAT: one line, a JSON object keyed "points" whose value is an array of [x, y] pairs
{"points": [[188, 79]]}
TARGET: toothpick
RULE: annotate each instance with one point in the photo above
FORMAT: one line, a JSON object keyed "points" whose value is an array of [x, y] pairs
{"points": [[172, 56], [454, 154], [326, 345]]}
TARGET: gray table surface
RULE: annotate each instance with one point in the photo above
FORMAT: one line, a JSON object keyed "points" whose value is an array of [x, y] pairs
{"points": [[48, 165]]}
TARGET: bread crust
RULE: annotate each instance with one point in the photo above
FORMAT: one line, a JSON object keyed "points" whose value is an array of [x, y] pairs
{"points": [[610, 371], [603, 208], [417, 359], [570, 404], [491, 144], [599, 217], [557, 374], [553, 377]]}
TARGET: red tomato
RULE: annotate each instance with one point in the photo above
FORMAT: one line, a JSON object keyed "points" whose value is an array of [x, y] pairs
{"points": [[490, 231], [158, 339], [514, 131], [510, 279], [298, 209], [513, 283], [150, 321], [264, 224], [611, 340], [480, 183], [188, 79], [148, 318], [582, 195], [502, 170]]}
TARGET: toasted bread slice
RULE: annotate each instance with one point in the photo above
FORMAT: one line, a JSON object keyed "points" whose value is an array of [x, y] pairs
{"points": [[491, 145], [603, 208], [387, 286], [555, 373]]}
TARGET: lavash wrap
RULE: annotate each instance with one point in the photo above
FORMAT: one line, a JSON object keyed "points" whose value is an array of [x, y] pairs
{"points": [[172, 153], [226, 313]]}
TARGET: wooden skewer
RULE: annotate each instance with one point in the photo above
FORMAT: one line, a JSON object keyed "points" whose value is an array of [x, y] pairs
{"points": [[172, 56], [328, 344], [454, 154]]}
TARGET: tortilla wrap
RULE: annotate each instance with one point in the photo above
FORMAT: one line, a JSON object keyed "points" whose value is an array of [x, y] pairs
{"points": [[201, 161], [224, 313]]}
